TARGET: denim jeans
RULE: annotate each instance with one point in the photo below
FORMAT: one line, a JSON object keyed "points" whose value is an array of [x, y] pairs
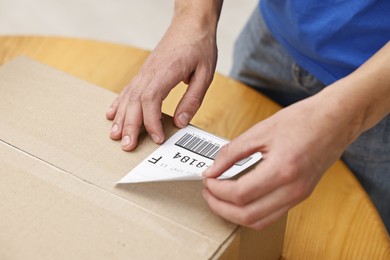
{"points": [[262, 63]]}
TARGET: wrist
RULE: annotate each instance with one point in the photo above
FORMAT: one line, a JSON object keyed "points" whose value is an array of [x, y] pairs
{"points": [[199, 15], [346, 107]]}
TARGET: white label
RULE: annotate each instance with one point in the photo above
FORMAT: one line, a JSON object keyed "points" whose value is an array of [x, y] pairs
{"points": [[185, 156]]}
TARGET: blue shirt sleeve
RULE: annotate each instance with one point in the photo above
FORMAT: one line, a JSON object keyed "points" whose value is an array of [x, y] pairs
{"points": [[329, 38]]}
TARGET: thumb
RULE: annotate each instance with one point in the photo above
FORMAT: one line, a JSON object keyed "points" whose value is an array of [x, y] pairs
{"points": [[225, 159], [229, 154], [191, 100]]}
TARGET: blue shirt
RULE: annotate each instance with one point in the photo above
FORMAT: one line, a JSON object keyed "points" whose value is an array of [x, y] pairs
{"points": [[329, 38]]}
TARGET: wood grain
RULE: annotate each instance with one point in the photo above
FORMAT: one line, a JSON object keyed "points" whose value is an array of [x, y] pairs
{"points": [[338, 221]]}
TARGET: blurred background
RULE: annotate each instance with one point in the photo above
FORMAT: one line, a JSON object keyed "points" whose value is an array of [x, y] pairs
{"points": [[139, 23]]}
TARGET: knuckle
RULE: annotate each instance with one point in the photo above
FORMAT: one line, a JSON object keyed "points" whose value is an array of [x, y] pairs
{"points": [[240, 196], [119, 117], [259, 225], [247, 218], [116, 102], [176, 65], [151, 126], [148, 96], [131, 125], [288, 174], [134, 94], [209, 77], [194, 101], [301, 191]]}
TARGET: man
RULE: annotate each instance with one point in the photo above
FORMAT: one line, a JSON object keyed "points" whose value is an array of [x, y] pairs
{"points": [[345, 46]]}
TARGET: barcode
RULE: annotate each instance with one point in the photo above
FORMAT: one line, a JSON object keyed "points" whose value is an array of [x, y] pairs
{"points": [[203, 147]]}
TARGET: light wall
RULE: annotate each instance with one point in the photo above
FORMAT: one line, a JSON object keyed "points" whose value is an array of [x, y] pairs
{"points": [[139, 23]]}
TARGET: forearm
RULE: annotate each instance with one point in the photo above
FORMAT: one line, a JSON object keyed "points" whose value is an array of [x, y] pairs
{"points": [[373, 79], [363, 97], [202, 14]]}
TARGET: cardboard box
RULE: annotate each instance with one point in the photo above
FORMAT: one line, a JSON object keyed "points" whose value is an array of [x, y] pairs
{"points": [[58, 199]]}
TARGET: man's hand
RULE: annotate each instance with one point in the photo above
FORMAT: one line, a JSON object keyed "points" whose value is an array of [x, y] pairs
{"points": [[187, 53], [298, 144]]}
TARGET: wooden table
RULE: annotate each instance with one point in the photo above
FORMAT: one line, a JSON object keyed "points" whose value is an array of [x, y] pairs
{"points": [[338, 221]]}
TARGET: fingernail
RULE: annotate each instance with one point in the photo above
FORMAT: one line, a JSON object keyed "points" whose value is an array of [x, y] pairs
{"points": [[114, 128], [184, 119], [126, 141], [155, 138]]}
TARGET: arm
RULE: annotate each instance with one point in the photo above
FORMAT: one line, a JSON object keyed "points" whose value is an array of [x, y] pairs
{"points": [[187, 52], [299, 143], [367, 90]]}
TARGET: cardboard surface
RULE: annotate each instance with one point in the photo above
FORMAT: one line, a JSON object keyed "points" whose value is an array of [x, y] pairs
{"points": [[58, 167]]}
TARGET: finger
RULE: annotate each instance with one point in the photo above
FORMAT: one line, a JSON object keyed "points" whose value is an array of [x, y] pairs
{"points": [[247, 188], [132, 125], [276, 202], [133, 116], [152, 99], [117, 124], [191, 100], [264, 178], [270, 219], [253, 213], [152, 118], [119, 104], [111, 112], [240, 148]]}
